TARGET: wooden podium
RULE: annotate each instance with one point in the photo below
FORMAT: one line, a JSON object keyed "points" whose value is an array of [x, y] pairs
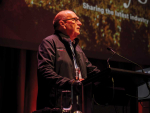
{"points": [[113, 87]]}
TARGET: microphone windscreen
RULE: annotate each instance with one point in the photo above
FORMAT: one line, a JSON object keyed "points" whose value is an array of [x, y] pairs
{"points": [[108, 48]]}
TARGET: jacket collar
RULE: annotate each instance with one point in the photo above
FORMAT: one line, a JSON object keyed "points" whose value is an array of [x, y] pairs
{"points": [[66, 38]]}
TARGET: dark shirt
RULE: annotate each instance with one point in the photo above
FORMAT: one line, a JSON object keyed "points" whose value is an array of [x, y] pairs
{"points": [[56, 68]]}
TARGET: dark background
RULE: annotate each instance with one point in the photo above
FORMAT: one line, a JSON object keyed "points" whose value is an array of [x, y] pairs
{"points": [[23, 26]]}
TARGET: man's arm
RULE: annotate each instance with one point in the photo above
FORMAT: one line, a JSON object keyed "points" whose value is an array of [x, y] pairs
{"points": [[46, 65], [91, 69]]}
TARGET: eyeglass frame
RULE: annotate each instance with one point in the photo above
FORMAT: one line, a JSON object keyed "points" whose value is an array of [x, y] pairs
{"points": [[74, 19]]}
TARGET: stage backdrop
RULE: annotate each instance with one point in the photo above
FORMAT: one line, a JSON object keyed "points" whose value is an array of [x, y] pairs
{"points": [[121, 24]]}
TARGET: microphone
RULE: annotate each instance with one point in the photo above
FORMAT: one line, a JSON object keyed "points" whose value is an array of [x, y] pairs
{"points": [[109, 59], [110, 49]]}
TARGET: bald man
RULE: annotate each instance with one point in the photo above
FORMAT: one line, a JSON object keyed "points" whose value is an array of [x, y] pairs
{"points": [[60, 59]]}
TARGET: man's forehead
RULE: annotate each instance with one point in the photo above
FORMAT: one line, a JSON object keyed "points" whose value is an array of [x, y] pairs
{"points": [[71, 14]]}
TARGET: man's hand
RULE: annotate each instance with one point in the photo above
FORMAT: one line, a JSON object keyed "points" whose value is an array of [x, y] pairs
{"points": [[81, 79]]}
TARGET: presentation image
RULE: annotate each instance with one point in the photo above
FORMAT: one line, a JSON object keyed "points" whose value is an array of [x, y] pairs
{"points": [[122, 25]]}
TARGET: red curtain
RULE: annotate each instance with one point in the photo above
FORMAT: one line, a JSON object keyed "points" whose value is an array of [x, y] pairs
{"points": [[144, 106], [18, 80]]}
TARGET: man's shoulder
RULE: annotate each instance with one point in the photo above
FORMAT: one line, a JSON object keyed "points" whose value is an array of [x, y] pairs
{"points": [[50, 40], [52, 37], [53, 40]]}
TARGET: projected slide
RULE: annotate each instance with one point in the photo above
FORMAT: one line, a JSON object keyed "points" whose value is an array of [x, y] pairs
{"points": [[121, 24]]}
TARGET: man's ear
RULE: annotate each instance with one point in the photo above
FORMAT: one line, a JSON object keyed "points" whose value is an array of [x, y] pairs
{"points": [[62, 24]]}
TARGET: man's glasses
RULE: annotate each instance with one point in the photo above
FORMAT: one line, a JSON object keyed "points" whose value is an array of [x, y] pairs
{"points": [[73, 19]]}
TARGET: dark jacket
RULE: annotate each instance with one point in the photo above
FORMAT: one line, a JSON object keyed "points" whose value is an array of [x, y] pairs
{"points": [[56, 68]]}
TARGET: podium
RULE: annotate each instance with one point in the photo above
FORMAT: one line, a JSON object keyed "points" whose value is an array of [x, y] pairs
{"points": [[113, 87]]}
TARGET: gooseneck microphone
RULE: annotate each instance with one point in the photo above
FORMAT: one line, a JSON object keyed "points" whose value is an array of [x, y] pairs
{"points": [[109, 59], [146, 81], [110, 49]]}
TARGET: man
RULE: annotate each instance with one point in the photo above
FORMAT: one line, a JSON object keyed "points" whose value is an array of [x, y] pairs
{"points": [[61, 61]]}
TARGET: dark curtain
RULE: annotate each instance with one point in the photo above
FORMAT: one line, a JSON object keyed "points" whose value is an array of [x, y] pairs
{"points": [[18, 80]]}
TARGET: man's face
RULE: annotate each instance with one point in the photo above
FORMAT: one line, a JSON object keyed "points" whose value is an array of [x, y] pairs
{"points": [[72, 25]]}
